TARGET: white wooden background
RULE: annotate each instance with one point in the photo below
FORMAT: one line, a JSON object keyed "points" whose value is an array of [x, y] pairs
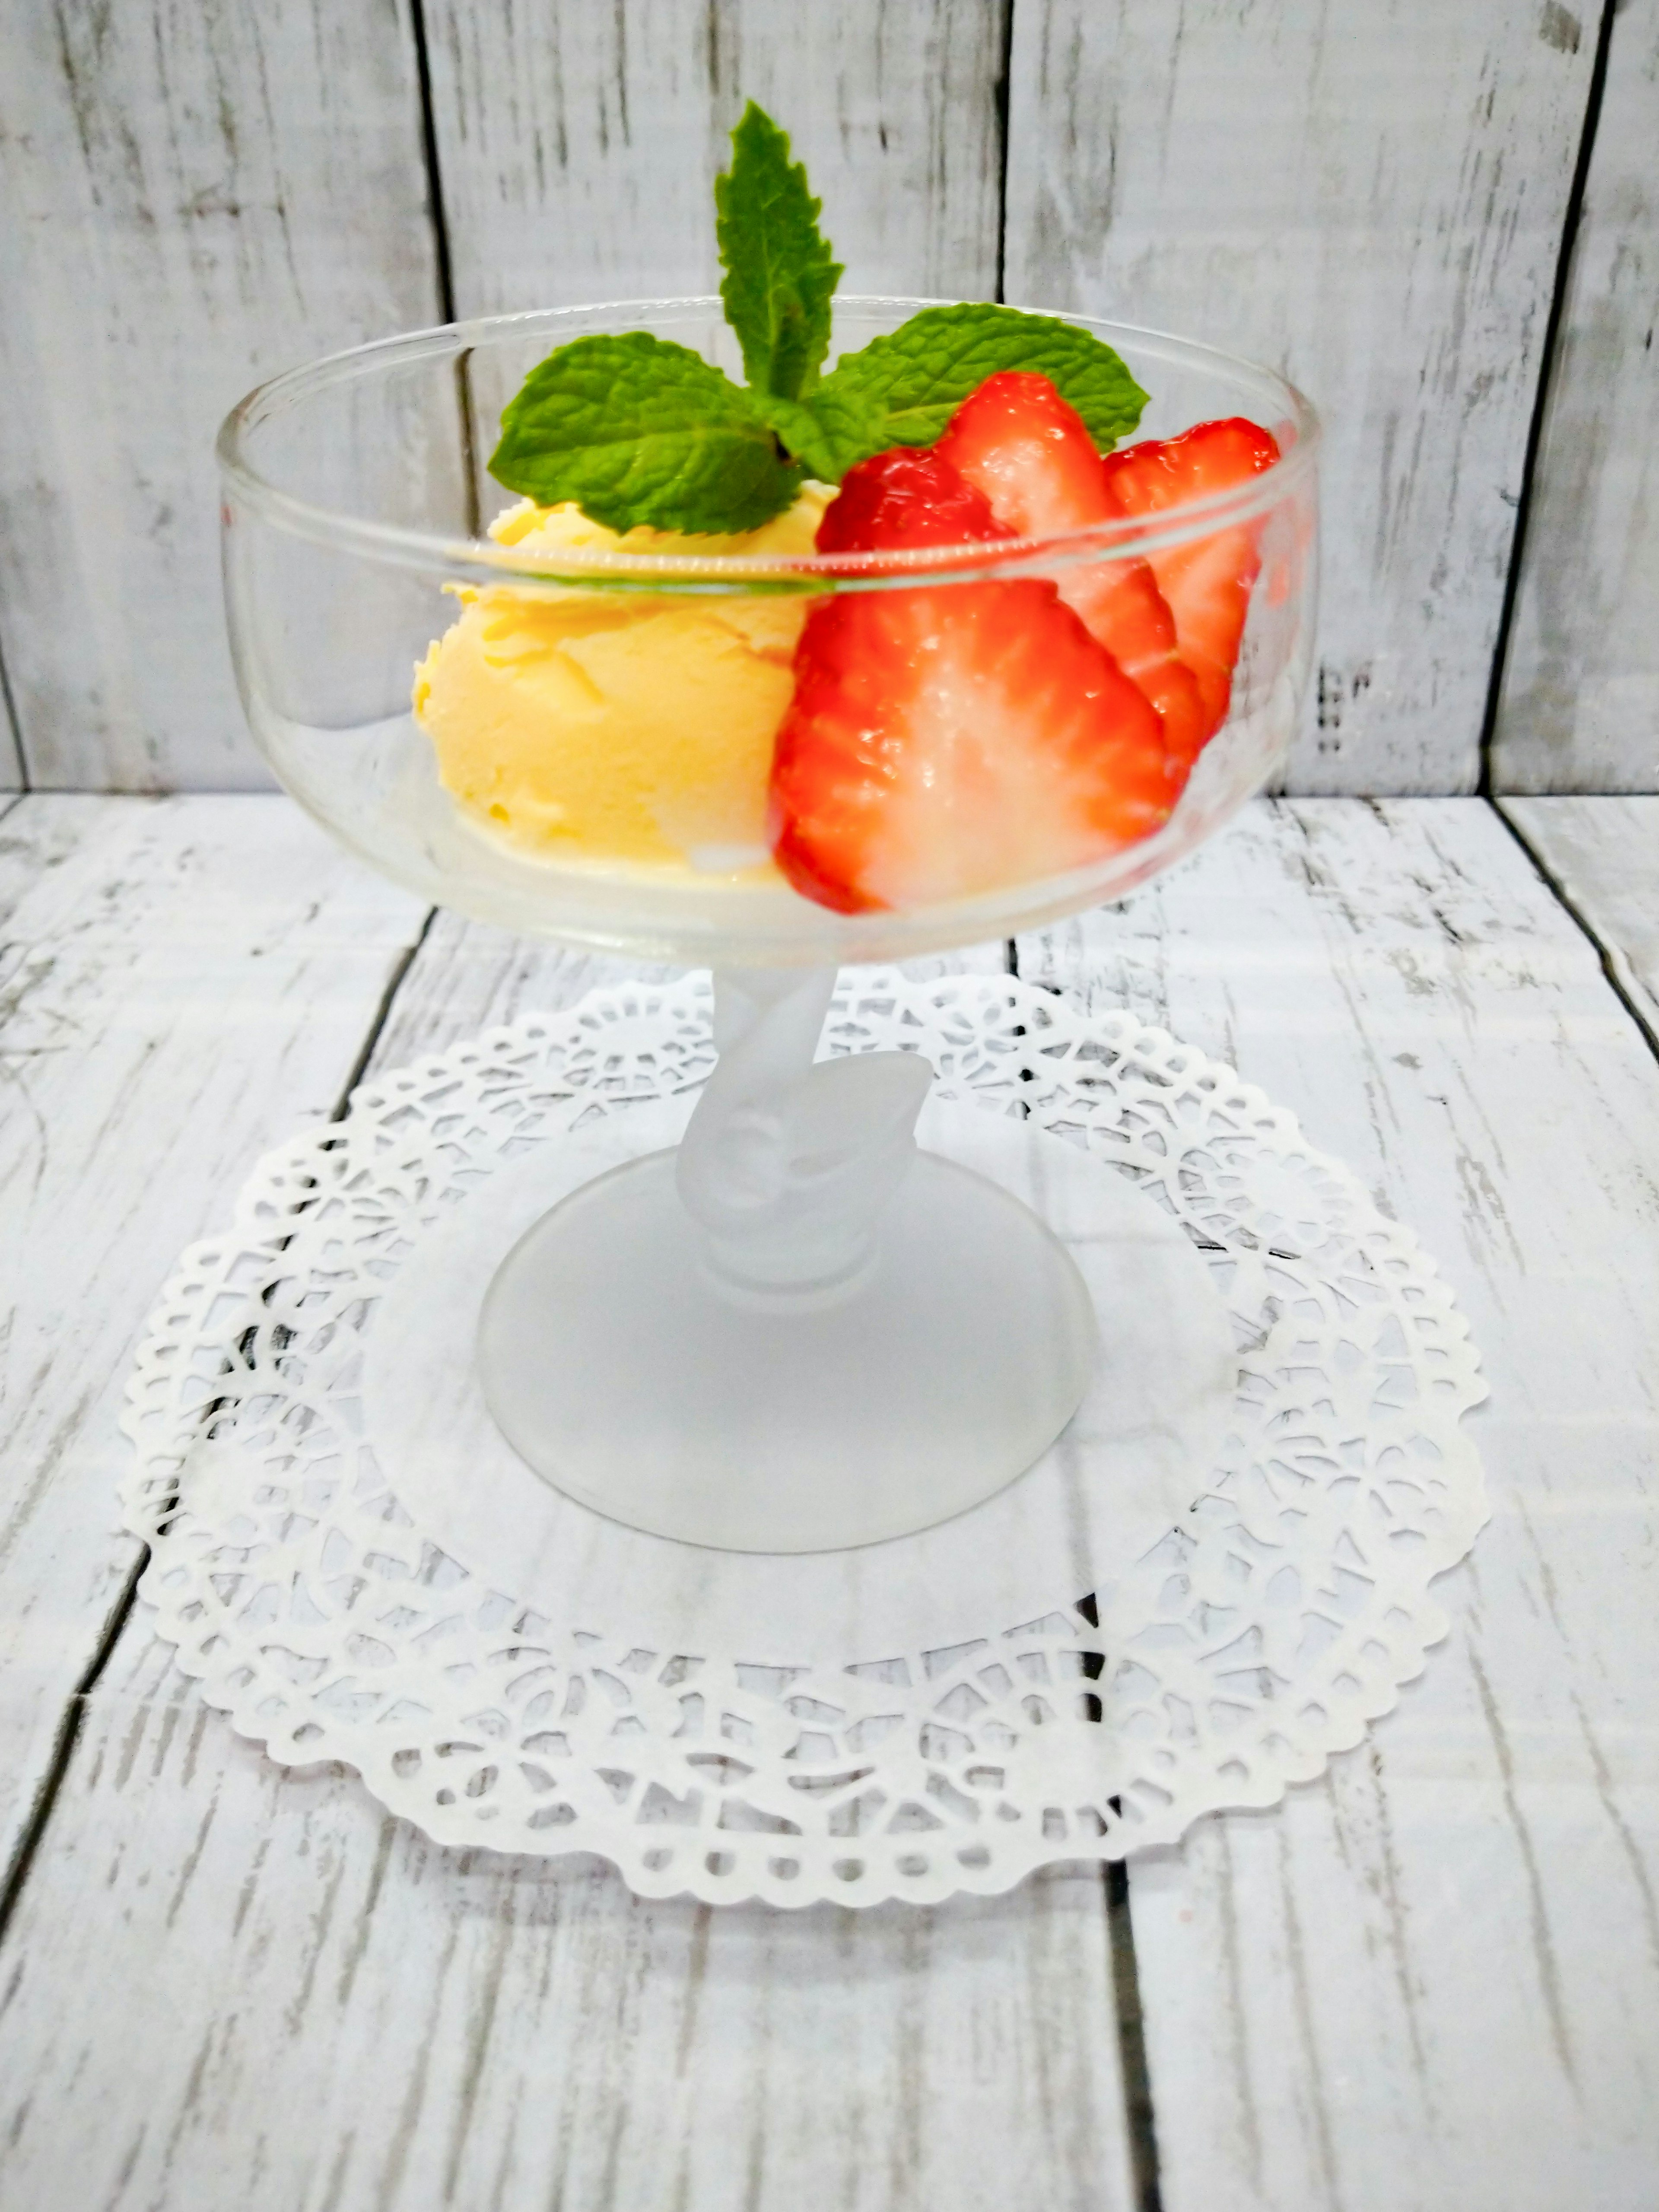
{"points": [[1436, 216], [1580, 707]]}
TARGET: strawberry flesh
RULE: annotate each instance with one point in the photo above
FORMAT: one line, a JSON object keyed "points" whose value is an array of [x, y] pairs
{"points": [[1029, 452], [1205, 584], [949, 741], [1017, 441], [902, 498]]}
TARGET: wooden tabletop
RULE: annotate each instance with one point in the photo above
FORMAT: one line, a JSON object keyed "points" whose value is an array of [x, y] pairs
{"points": [[1430, 1980]]}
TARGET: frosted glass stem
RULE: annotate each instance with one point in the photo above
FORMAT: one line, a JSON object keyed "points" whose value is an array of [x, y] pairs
{"points": [[788, 1165]]}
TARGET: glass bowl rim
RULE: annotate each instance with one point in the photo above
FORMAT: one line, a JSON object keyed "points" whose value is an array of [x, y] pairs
{"points": [[1130, 536]]}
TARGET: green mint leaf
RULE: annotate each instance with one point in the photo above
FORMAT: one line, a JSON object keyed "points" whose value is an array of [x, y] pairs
{"points": [[828, 430], [636, 430], [780, 274], [917, 377]]}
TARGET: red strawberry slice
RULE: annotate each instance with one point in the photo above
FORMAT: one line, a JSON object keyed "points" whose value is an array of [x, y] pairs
{"points": [[954, 739], [1017, 440], [1208, 583], [1032, 455], [1120, 603], [903, 499]]}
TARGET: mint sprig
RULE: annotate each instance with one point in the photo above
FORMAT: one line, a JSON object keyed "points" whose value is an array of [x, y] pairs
{"points": [[637, 430], [780, 270]]}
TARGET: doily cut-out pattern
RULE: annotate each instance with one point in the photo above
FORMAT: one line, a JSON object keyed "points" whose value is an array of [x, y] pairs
{"points": [[1277, 1618]]}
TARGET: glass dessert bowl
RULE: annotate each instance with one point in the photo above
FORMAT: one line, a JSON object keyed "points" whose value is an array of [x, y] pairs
{"points": [[794, 1331]]}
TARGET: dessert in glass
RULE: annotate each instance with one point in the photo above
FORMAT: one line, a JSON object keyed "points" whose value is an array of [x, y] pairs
{"points": [[981, 678]]}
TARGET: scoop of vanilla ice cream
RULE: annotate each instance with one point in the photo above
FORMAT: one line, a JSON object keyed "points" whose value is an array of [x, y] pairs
{"points": [[620, 726]]}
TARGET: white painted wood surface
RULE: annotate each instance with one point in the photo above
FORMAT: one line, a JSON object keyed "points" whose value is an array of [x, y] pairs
{"points": [[194, 198], [181, 983], [318, 2008], [1369, 197], [12, 761], [477, 2030], [579, 145], [1580, 702], [1603, 856], [469, 977], [1434, 1980]]}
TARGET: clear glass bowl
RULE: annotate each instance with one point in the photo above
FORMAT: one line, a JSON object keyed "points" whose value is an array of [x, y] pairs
{"points": [[355, 499], [793, 1331]]}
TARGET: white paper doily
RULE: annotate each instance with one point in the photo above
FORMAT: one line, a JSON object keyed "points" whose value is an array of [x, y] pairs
{"points": [[1255, 1636]]}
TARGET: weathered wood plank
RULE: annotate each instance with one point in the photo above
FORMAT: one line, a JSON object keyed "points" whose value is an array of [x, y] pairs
{"points": [[194, 197], [11, 760], [476, 2029], [579, 145], [1603, 856], [180, 984], [1434, 1979], [1370, 197], [469, 976], [318, 2008], [1579, 709], [1362, 1998]]}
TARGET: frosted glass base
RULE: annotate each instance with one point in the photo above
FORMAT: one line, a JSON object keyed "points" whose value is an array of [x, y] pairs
{"points": [[629, 1378], [1122, 1472]]}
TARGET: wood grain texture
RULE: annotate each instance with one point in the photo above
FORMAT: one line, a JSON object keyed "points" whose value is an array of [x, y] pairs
{"points": [[11, 759], [578, 148], [1369, 197], [1579, 709], [468, 978], [1433, 1979], [193, 198], [318, 2008], [579, 145], [474, 2029], [180, 984], [1602, 855]]}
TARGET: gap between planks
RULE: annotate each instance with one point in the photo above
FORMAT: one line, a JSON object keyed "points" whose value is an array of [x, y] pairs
{"points": [[1138, 2114], [1549, 363], [1119, 1988], [1516, 813], [68, 1726], [1306, 2028], [186, 980], [11, 740]]}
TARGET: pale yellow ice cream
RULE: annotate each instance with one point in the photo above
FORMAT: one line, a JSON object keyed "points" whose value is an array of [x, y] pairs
{"points": [[618, 725]]}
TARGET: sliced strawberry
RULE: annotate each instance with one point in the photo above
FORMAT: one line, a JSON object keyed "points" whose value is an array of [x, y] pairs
{"points": [[1032, 455], [1017, 440], [1121, 604], [953, 739], [1206, 584], [905, 498]]}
